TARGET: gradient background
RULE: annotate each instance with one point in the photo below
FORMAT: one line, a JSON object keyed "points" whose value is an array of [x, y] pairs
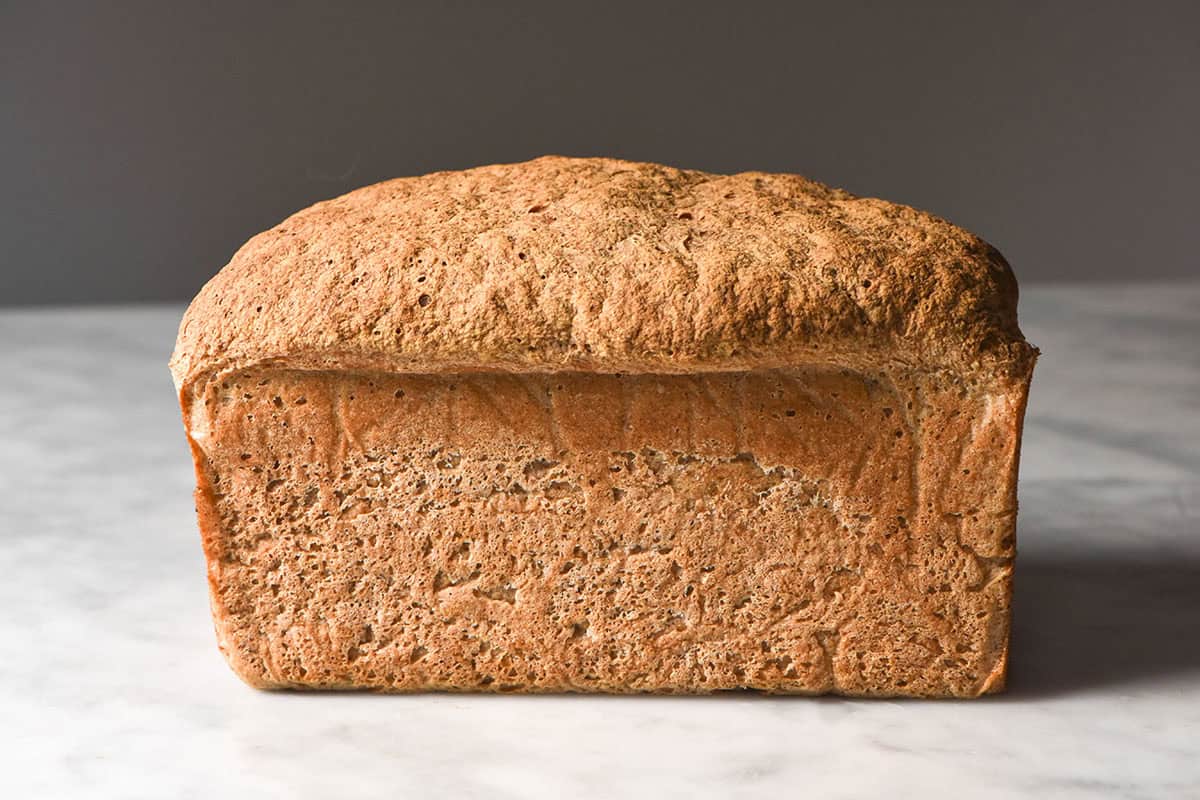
{"points": [[142, 143]]}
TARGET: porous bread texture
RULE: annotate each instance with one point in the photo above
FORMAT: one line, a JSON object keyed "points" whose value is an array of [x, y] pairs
{"points": [[504, 430], [799, 530]]}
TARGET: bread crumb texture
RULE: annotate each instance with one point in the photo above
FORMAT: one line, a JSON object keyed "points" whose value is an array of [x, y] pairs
{"points": [[591, 425], [800, 530]]}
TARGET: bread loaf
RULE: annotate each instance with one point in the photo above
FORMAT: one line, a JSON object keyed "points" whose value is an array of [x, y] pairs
{"points": [[592, 425]]}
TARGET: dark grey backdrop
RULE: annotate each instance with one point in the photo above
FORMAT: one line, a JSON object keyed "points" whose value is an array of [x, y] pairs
{"points": [[141, 143]]}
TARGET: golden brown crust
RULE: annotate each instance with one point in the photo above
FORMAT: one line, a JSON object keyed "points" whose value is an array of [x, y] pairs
{"points": [[605, 265]]}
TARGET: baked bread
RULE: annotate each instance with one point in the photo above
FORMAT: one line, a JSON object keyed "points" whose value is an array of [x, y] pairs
{"points": [[592, 425]]}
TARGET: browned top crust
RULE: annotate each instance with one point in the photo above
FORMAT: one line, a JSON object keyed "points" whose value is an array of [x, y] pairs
{"points": [[604, 265]]}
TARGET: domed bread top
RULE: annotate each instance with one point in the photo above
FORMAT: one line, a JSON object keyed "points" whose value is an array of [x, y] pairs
{"points": [[605, 266]]}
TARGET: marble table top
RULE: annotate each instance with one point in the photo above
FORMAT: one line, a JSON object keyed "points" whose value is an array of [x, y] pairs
{"points": [[111, 685]]}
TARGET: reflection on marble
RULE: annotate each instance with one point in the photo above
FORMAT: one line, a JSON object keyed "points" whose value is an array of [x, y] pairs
{"points": [[111, 686]]}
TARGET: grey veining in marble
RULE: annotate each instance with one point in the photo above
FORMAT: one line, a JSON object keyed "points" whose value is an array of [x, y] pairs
{"points": [[111, 685]]}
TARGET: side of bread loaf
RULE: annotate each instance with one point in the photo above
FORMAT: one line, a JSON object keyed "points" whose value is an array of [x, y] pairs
{"points": [[782, 459]]}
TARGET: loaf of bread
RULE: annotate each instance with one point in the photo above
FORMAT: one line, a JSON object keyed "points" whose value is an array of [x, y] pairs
{"points": [[592, 425]]}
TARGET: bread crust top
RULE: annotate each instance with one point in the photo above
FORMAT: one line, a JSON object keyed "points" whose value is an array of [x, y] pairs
{"points": [[602, 265]]}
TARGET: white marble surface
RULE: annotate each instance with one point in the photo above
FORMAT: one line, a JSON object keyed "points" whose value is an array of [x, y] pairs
{"points": [[111, 685]]}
